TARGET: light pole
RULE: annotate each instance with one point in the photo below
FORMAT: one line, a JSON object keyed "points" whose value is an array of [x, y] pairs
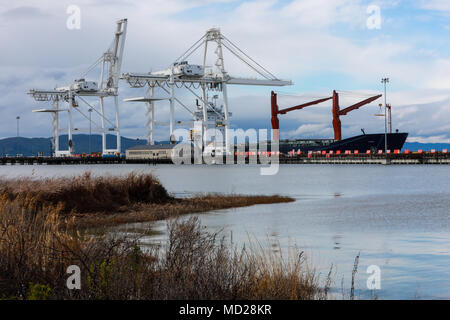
{"points": [[90, 129], [385, 81], [17, 147], [17, 118]]}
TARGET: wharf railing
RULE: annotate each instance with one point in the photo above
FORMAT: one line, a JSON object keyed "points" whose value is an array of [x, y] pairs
{"points": [[248, 157]]}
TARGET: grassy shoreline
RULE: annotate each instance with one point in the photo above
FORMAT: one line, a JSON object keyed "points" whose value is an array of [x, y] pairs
{"points": [[43, 232], [174, 209], [92, 202]]}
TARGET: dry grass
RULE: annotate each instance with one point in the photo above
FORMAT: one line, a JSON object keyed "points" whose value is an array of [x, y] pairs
{"points": [[143, 212], [84, 193], [40, 237], [95, 202], [35, 252]]}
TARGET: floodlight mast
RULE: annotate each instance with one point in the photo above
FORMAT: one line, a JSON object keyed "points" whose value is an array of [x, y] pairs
{"points": [[192, 77], [110, 62]]}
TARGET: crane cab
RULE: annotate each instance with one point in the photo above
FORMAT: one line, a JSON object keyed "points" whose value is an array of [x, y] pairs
{"points": [[81, 85]]}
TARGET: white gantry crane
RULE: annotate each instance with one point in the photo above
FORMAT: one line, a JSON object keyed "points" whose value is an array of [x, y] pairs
{"points": [[200, 81], [81, 90]]}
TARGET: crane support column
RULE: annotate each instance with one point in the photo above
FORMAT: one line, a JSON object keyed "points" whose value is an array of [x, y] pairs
{"points": [[274, 109], [172, 107], [69, 129], [56, 127], [150, 115], [225, 110], [116, 103], [102, 111], [336, 120]]}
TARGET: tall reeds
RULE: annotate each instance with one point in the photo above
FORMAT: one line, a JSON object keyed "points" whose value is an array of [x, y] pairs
{"points": [[194, 264], [40, 238], [85, 193]]}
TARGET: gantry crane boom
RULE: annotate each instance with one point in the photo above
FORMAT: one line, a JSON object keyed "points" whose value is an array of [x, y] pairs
{"points": [[108, 86], [204, 78], [138, 80]]}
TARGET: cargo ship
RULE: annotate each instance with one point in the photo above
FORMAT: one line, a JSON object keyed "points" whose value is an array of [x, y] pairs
{"points": [[362, 143]]}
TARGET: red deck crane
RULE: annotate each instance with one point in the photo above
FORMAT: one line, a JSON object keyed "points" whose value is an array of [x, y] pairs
{"points": [[337, 112], [276, 111]]}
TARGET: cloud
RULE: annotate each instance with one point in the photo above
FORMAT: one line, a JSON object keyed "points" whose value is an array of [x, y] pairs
{"points": [[321, 45], [438, 5], [310, 131], [323, 13], [25, 12], [432, 139]]}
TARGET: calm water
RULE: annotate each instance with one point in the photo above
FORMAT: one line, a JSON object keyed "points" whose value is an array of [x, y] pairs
{"points": [[397, 217]]}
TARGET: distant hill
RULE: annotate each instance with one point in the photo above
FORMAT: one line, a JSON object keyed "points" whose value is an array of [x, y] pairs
{"points": [[426, 146], [31, 146]]}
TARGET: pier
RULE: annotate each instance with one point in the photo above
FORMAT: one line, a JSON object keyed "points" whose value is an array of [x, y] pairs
{"points": [[401, 158]]}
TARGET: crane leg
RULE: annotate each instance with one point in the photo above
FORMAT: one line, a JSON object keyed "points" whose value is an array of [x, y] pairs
{"points": [[274, 119], [336, 120]]}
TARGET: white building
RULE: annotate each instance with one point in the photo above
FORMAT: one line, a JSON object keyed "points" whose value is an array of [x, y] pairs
{"points": [[157, 151]]}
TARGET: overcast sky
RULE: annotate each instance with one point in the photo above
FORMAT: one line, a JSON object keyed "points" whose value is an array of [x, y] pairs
{"points": [[319, 44]]}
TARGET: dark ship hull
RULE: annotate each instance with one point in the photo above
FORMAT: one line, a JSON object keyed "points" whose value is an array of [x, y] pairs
{"points": [[362, 143]]}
